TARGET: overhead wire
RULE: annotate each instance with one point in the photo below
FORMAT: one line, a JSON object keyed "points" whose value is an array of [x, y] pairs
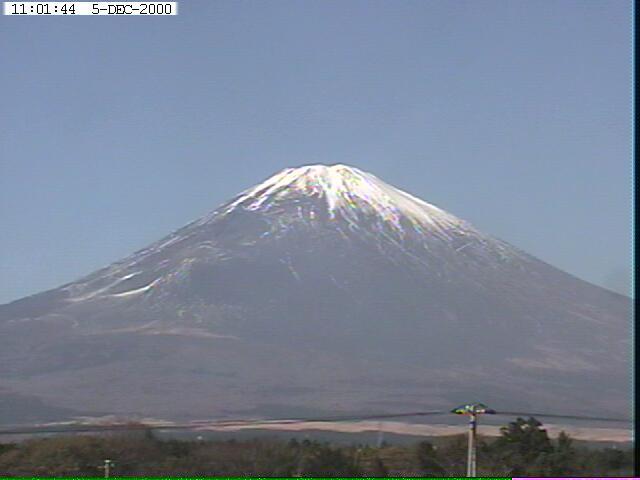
{"points": [[203, 424], [567, 417]]}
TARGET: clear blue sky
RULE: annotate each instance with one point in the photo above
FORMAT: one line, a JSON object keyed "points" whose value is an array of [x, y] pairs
{"points": [[514, 115]]}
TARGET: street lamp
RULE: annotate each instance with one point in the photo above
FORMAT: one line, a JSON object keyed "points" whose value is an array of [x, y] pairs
{"points": [[472, 410], [107, 467]]}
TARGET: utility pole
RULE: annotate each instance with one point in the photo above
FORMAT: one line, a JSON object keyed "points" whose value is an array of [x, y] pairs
{"points": [[473, 410], [107, 467], [471, 453]]}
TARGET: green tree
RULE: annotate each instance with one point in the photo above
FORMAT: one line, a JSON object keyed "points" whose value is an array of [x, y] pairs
{"points": [[607, 462], [521, 445], [453, 455], [5, 447], [564, 457], [379, 469], [322, 460], [428, 460]]}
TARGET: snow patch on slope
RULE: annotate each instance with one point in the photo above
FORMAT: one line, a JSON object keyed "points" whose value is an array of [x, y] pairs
{"points": [[97, 292], [136, 290]]}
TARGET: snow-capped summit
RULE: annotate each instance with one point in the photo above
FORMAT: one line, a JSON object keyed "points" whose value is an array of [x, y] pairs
{"points": [[322, 288], [347, 191]]}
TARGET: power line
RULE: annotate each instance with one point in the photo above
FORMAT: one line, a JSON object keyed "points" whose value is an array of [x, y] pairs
{"points": [[567, 417], [84, 428], [379, 416]]}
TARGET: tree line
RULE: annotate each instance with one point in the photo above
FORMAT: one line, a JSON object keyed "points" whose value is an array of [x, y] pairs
{"points": [[522, 449]]}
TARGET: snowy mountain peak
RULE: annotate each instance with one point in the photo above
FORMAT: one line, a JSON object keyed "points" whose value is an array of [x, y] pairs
{"points": [[347, 192], [328, 267]]}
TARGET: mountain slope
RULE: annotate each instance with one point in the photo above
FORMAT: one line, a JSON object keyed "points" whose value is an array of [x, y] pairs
{"points": [[321, 288]]}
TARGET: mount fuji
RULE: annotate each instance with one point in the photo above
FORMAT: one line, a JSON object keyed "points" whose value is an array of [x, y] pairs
{"points": [[320, 290]]}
